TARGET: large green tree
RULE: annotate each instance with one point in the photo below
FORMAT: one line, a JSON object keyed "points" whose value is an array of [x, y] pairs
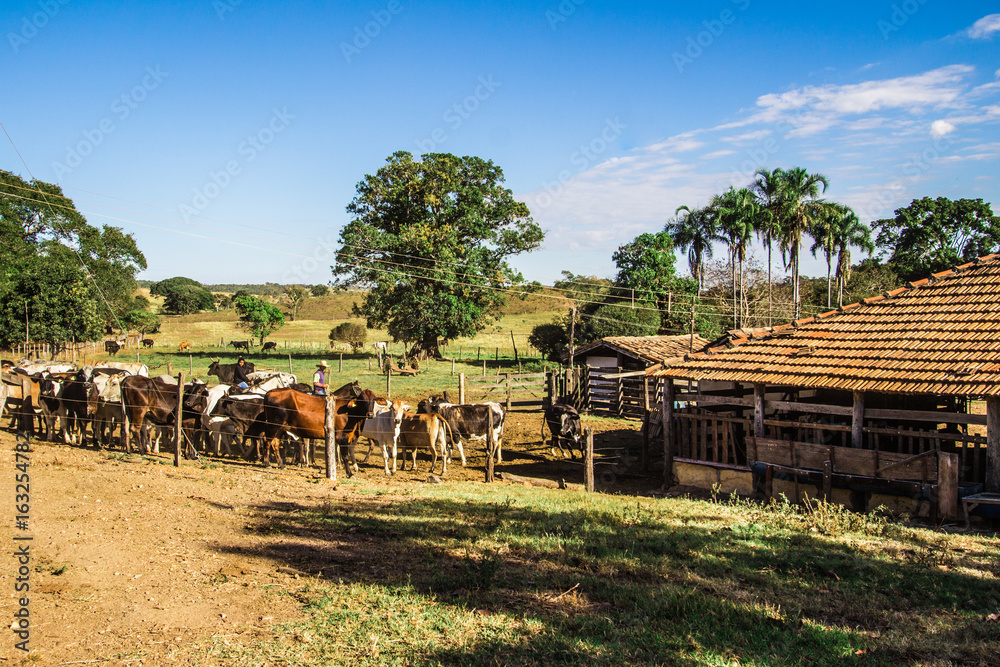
{"points": [[694, 230], [931, 235], [429, 241], [183, 295], [646, 268], [258, 317], [60, 277]]}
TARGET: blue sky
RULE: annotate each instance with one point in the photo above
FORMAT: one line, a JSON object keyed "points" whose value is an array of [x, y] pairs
{"points": [[228, 135]]}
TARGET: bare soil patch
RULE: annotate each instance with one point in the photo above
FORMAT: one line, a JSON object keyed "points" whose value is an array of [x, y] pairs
{"points": [[137, 562]]}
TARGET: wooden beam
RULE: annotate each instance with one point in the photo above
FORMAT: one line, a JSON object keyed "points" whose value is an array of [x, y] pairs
{"points": [[710, 399], [758, 409], [993, 444], [669, 446], [858, 420]]}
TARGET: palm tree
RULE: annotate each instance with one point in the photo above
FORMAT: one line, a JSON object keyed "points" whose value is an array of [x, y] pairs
{"points": [[767, 222], [850, 231], [734, 212], [694, 230], [824, 233], [798, 193]]}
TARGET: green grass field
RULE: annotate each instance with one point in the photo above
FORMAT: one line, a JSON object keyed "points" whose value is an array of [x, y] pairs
{"points": [[472, 575]]}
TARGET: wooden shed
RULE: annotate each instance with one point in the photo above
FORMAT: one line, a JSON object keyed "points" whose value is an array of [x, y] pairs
{"points": [[899, 393], [636, 353]]}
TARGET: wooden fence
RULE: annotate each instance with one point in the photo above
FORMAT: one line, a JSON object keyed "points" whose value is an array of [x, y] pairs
{"points": [[617, 393]]}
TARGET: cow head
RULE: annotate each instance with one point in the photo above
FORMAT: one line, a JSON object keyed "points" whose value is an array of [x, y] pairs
{"points": [[213, 369]]}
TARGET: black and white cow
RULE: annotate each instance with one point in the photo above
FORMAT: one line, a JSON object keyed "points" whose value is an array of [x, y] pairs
{"points": [[468, 422], [564, 425]]}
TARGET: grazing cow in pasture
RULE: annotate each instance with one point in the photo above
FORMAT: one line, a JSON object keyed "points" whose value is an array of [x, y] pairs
{"points": [[144, 397], [425, 431], [268, 346], [185, 346], [382, 345], [468, 422], [112, 347], [225, 372], [564, 425], [304, 416], [240, 345], [382, 429], [147, 343]]}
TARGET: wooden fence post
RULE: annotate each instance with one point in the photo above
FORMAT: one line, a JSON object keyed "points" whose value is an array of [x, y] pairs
{"points": [[169, 369], [341, 368], [508, 392], [993, 444], [330, 433], [461, 388], [588, 433], [453, 366], [190, 363], [178, 420], [388, 382], [289, 363], [669, 446], [490, 447], [858, 420]]}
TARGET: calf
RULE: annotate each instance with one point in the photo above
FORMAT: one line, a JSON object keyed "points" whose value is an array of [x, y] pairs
{"points": [[184, 346], [147, 342], [243, 410], [564, 424], [382, 429], [428, 431], [112, 347]]}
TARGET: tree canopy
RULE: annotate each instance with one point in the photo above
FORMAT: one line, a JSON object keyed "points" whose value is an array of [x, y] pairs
{"points": [[70, 276], [429, 241], [183, 295], [932, 235], [257, 317]]}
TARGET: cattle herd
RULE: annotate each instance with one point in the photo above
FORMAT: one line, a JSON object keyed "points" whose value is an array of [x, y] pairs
{"points": [[275, 413]]}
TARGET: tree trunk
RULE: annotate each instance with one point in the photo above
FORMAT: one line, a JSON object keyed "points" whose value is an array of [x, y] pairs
{"points": [[426, 349], [732, 269], [795, 281], [770, 284], [829, 284]]}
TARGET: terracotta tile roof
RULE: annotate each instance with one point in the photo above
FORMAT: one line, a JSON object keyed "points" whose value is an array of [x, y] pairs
{"points": [[939, 335], [652, 349]]}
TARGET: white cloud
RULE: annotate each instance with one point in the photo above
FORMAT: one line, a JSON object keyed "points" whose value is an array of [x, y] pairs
{"points": [[939, 128], [984, 27], [720, 153]]}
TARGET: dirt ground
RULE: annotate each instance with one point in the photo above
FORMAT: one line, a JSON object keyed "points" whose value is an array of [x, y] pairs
{"points": [[135, 562]]}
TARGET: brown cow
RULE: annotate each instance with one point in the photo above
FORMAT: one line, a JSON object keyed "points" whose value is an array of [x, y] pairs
{"points": [[426, 431], [304, 416], [153, 398], [184, 346]]}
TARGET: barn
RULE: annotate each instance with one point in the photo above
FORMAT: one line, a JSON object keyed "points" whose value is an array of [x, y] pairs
{"points": [[892, 401]]}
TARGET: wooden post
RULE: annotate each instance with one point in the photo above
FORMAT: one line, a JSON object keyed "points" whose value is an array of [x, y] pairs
{"points": [[948, 505], [588, 481], [453, 366], [461, 388], [553, 397], [572, 336], [369, 363], [169, 369], [496, 357], [388, 382], [858, 420], [669, 446], [758, 409], [508, 392], [827, 481], [479, 353], [993, 444], [341, 368], [330, 433], [190, 363], [484, 368], [289, 363], [178, 420], [516, 358], [490, 447]]}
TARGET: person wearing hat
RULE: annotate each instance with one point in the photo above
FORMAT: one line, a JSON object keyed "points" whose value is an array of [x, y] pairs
{"points": [[319, 379]]}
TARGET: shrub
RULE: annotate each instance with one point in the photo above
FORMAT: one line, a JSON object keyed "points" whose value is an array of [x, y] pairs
{"points": [[351, 333]]}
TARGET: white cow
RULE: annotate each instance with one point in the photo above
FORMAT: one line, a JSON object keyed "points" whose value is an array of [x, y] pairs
{"points": [[384, 428], [130, 368]]}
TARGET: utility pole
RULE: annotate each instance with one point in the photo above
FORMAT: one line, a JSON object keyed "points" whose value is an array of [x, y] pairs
{"points": [[691, 345], [572, 335]]}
